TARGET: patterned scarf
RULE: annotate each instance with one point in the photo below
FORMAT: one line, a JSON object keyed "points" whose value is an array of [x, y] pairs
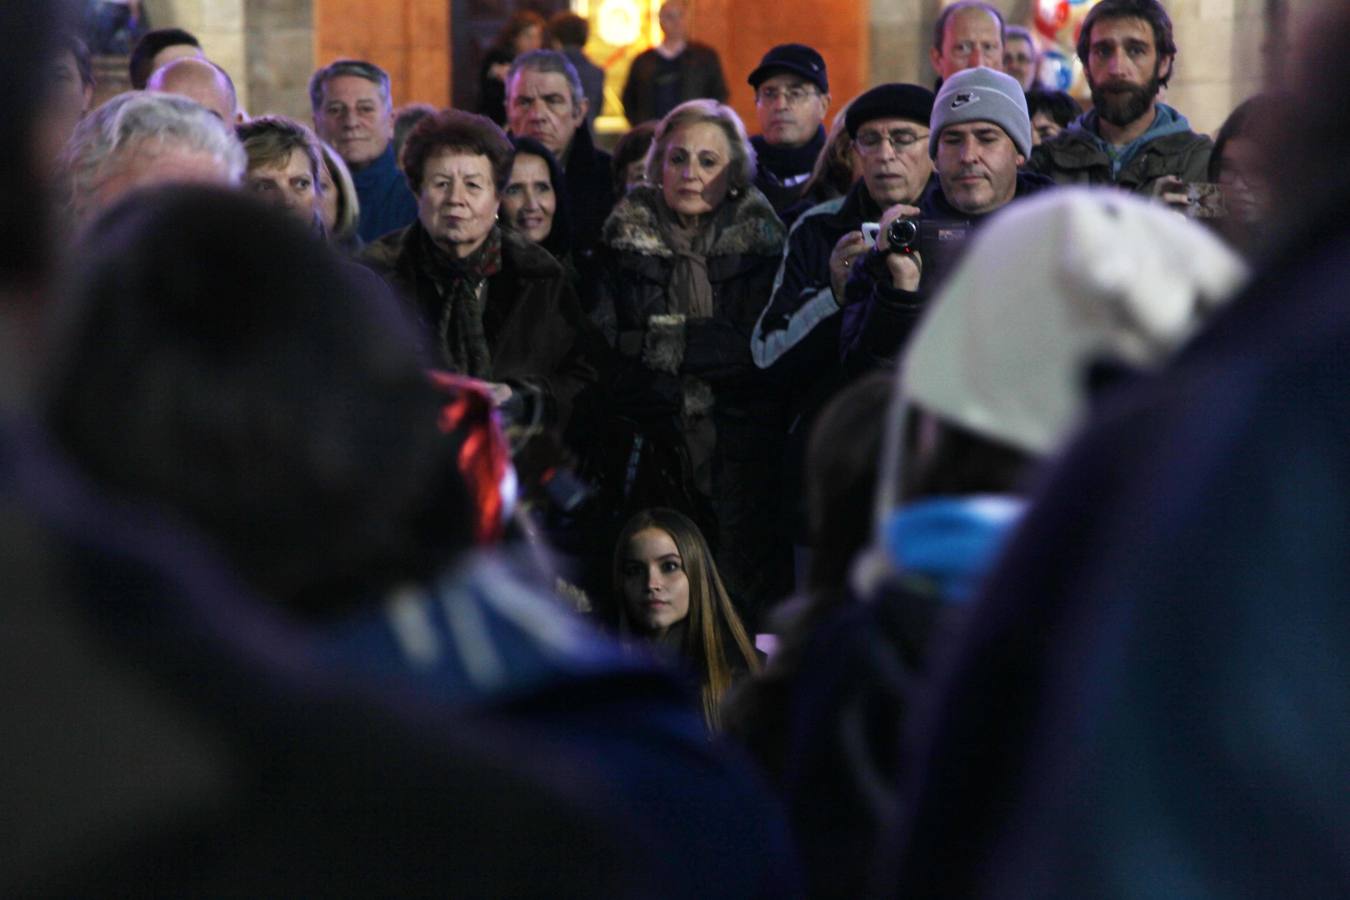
{"points": [[461, 284]]}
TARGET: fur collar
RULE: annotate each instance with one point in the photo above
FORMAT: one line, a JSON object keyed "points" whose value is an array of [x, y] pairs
{"points": [[746, 226]]}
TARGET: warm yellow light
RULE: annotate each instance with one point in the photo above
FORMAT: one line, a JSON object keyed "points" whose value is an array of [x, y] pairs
{"points": [[619, 22]]}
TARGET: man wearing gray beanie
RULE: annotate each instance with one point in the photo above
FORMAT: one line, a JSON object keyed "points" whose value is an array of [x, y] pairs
{"points": [[979, 136]]}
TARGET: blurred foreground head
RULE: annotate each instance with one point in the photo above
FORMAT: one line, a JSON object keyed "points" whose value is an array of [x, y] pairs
{"points": [[215, 361], [1055, 292], [1306, 145], [140, 139]]}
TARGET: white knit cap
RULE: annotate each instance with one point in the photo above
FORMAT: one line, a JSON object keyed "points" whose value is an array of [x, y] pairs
{"points": [[1049, 285]]}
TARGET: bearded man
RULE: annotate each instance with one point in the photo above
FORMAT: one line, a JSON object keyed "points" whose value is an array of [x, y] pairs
{"points": [[1129, 139]]}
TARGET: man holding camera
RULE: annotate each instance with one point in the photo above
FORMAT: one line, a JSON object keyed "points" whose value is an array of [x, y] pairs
{"points": [[889, 128], [979, 136]]}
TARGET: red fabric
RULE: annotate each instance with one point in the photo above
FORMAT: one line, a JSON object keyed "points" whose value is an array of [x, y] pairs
{"points": [[484, 457]]}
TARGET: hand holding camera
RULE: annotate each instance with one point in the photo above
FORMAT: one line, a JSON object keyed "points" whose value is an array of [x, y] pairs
{"points": [[896, 239]]}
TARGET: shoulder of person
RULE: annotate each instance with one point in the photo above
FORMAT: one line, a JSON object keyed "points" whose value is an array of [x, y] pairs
{"points": [[527, 259]]}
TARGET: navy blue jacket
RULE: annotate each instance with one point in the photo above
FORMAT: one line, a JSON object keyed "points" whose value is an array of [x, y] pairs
{"points": [[387, 203]]}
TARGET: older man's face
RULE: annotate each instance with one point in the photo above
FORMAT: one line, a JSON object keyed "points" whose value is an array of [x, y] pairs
{"points": [[354, 120], [790, 109], [539, 105], [971, 38]]}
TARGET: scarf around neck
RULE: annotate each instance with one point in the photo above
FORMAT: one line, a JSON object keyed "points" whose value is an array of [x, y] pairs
{"points": [[460, 284], [689, 292]]}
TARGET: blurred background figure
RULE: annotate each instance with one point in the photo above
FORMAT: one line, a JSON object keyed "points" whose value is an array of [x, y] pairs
{"points": [[674, 71], [967, 34], [1020, 58], [569, 33], [71, 71], [339, 205], [157, 49], [138, 139], [200, 80], [112, 26], [405, 119], [522, 33], [630, 158], [1051, 112], [1241, 170], [668, 591]]}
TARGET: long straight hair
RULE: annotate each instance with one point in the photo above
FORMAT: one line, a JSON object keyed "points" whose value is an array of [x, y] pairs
{"points": [[713, 636]]}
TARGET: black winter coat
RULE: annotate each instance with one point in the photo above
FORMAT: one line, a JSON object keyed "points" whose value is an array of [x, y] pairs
{"points": [[677, 376]]}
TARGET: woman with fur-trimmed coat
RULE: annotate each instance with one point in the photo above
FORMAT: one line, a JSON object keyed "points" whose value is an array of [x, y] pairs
{"points": [[694, 424]]}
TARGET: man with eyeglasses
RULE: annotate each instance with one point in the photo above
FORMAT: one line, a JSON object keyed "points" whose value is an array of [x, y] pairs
{"points": [[792, 93], [797, 335], [979, 137]]}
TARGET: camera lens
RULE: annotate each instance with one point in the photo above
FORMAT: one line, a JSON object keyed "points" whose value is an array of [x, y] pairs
{"points": [[902, 235]]}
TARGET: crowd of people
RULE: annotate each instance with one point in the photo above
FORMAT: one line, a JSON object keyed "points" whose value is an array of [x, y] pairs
{"points": [[947, 502]]}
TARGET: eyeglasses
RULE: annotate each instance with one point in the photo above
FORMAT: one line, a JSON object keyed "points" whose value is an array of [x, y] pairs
{"points": [[795, 96], [870, 142]]}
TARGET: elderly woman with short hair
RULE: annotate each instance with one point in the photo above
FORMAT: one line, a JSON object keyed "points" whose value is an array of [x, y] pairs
{"points": [[691, 257], [495, 306]]}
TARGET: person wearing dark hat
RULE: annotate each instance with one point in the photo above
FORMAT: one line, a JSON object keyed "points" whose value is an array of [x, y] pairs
{"points": [[792, 93], [978, 139], [797, 335]]}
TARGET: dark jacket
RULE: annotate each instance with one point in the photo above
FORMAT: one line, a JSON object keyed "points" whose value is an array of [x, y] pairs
{"points": [[387, 203], [536, 333], [592, 81], [590, 195], [700, 75], [1151, 698], [1078, 155], [782, 172], [879, 317], [689, 387]]}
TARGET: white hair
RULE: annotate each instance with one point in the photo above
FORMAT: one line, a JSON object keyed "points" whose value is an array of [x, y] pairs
{"points": [[141, 122]]}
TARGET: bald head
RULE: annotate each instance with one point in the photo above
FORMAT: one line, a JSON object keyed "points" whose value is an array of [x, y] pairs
{"points": [[200, 80]]}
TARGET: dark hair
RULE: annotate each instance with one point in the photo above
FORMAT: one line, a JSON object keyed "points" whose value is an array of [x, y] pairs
{"points": [[1058, 105], [559, 240], [141, 63], [940, 27], [217, 361], [633, 146], [84, 61], [569, 29], [1151, 11], [519, 21], [30, 29], [715, 641], [405, 120], [454, 129], [1255, 111]]}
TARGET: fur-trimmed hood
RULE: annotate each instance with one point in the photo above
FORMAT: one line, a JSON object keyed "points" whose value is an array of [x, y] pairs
{"points": [[746, 225]]}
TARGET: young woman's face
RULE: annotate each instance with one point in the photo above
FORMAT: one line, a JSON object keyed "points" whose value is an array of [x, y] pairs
{"points": [[655, 587], [528, 201]]}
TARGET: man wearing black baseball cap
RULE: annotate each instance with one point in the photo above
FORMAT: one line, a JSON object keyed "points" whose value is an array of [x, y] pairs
{"points": [[792, 93]]}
